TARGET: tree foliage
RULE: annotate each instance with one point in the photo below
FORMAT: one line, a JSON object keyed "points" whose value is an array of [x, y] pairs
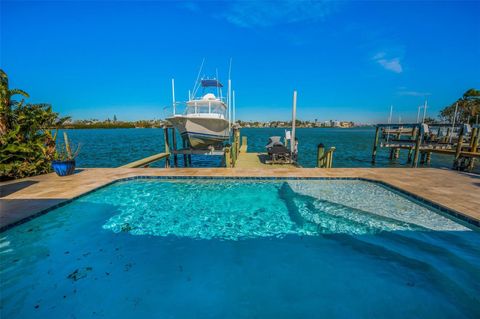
{"points": [[468, 108], [27, 144]]}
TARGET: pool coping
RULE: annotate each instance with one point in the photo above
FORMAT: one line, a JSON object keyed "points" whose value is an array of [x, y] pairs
{"points": [[409, 195]]}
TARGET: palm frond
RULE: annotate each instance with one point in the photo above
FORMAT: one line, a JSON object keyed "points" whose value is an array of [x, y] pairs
{"points": [[13, 92]]}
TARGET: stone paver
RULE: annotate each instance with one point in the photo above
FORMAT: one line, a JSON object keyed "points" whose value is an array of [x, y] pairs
{"points": [[23, 198]]}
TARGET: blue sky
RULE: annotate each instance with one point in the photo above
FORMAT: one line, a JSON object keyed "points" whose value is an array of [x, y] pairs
{"points": [[348, 60]]}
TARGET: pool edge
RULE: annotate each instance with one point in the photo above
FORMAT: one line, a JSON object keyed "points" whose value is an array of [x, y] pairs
{"points": [[443, 209]]}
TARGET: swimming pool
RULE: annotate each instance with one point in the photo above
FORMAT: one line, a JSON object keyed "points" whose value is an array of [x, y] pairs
{"points": [[199, 248]]}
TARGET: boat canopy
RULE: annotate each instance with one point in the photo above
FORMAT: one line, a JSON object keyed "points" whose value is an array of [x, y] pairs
{"points": [[211, 83]]}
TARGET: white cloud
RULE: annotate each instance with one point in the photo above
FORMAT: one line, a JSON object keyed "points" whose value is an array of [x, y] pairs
{"points": [[269, 13], [392, 64], [413, 93]]}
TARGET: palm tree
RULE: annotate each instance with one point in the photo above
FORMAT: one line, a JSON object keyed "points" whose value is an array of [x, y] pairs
{"points": [[468, 107], [471, 104], [6, 101]]}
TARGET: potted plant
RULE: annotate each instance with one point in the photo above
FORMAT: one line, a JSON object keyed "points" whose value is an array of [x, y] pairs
{"points": [[64, 162]]}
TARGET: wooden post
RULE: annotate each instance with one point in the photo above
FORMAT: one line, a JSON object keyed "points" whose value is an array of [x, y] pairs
{"points": [[330, 157], [429, 158], [422, 157], [320, 153], [167, 146], [459, 147], [475, 138], [244, 144], [233, 152], [228, 160], [174, 142], [410, 150], [472, 138], [375, 142], [237, 141], [396, 152], [417, 148], [185, 162]]}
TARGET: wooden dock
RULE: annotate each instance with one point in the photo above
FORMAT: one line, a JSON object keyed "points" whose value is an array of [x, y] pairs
{"points": [[422, 141], [257, 160]]}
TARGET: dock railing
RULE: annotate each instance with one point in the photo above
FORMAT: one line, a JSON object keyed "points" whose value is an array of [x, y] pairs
{"points": [[325, 158], [422, 140]]}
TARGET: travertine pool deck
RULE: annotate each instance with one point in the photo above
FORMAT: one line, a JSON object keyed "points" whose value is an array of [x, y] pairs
{"points": [[24, 198]]}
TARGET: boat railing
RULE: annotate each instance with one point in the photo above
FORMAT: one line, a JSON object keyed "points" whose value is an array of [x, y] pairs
{"points": [[201, 109]]}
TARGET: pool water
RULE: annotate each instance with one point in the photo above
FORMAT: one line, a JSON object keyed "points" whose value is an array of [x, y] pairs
{"points": [[198, 248]]}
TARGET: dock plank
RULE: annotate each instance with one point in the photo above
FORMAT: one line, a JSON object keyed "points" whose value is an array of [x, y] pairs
{"points": [[257, 160]]}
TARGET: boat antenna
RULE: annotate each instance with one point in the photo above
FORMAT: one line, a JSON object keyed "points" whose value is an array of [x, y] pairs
{"points": [[424, 110], [195, 88], [218, 81], [229, 96], [389, 122]]}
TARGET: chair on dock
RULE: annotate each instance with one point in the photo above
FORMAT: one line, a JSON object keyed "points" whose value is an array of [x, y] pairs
{"points": [[277, 152]]}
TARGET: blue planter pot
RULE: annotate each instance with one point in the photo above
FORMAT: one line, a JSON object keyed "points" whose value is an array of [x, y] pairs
{"points": [[64, 168]]}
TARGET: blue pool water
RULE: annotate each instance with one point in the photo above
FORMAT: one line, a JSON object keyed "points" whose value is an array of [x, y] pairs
{"points": [[116, 147], [241, 249]]}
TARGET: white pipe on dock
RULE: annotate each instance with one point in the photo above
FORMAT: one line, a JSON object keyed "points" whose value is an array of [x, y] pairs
{"points": [[389, 122], [294, 117], [233, 104], [229, 102]]}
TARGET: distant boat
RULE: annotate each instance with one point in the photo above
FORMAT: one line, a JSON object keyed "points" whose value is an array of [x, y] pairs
{"points": [[204, 123]]}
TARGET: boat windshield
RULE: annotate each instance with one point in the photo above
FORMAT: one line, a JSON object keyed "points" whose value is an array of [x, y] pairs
{"points": [[206, 107]]}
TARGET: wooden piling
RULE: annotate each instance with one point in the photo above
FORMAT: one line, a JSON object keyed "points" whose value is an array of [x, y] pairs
{"points": [[167, 146], [375, 143], [174, 142], [244, 146], [320, 153], [410, 150], [472, 138], [474, 146], [422, 157], [458, 150], [417, 148], [428, 158], [227, 157]]}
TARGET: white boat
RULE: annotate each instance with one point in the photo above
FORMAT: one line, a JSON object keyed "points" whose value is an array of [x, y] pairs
{"points": [[204, 122]]}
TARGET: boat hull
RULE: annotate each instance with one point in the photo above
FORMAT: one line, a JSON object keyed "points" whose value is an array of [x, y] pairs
{"points": [[201, 132]]}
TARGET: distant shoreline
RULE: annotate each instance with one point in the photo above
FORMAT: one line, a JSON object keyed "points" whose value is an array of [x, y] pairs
{"points": [[72, 127]]}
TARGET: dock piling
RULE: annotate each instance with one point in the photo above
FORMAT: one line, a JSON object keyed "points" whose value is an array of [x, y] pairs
{"points": [[228, 157], [174, 142], [458, 150], [417, 148], [474, 145], [167, 146], [320, 153], [375, 143]]}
